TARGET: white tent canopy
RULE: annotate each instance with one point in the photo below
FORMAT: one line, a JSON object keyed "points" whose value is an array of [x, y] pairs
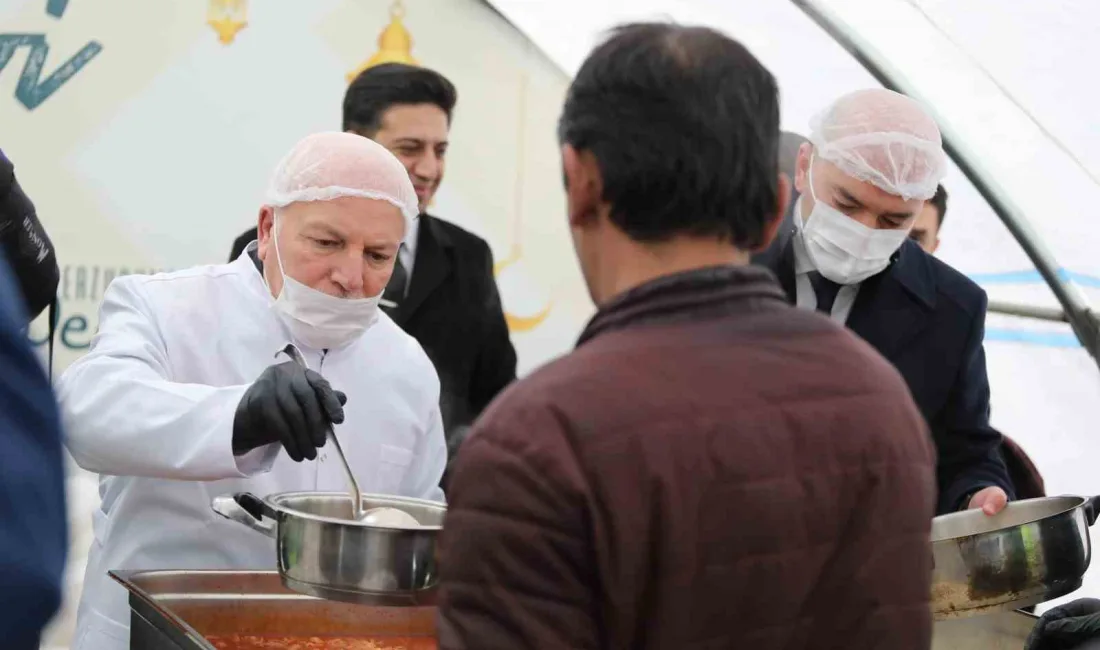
{"points": [[1009, 81], [974, 61]]}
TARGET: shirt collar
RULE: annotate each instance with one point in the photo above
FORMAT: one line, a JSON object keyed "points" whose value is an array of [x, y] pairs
{"points": [[251, 268], [803, 263], [685, 296], [411, 236]]}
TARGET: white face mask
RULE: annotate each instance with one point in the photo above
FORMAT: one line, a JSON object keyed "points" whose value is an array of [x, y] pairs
{"points": [[316, 319], [843, 249]]}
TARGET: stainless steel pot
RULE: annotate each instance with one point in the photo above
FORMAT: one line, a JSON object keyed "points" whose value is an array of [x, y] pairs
{"points": [[1033, 551], [321, 552]]}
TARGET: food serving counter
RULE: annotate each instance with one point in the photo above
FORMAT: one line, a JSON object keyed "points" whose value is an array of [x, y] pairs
{"points": [[231, 610]]}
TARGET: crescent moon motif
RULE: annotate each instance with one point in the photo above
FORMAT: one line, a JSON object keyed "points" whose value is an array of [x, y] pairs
{"points": [[521, 323]]}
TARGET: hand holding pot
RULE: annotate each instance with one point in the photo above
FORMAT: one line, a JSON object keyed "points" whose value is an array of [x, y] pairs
{"points": [[990, 500], [1073, 626]]}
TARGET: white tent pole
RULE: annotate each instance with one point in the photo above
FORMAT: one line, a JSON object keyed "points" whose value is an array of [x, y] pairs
{"points": [[1085, 324], [1028, 311]]}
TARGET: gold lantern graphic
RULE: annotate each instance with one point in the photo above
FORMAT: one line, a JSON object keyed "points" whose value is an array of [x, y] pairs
{"points": [[394, 43], [226, 18]]}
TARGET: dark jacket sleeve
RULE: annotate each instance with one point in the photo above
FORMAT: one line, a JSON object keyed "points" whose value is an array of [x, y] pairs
{"points": [[24, 242], [33, 535], [969, 448], [239, 244], [1026, 479], [515, 567], [496, 360]]}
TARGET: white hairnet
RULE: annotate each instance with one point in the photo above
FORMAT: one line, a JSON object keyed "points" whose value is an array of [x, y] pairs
{"points": [[883, 138], [333, 165]]}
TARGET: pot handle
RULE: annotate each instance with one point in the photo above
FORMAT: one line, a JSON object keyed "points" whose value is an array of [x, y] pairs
{"points": [[1092, 509], [245, 508]]}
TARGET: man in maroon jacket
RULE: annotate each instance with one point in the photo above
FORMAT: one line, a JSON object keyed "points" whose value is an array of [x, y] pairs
{"points": [[710, 468]]}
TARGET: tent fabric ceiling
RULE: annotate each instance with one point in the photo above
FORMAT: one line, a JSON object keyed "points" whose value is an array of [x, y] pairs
{"points": [[1009, 79]]}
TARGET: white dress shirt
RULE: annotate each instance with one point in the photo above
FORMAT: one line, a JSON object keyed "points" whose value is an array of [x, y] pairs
{"points": [[407, 253]]}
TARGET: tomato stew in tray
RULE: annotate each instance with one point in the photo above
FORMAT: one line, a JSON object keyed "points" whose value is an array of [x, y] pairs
{"points": [[253, 642]]}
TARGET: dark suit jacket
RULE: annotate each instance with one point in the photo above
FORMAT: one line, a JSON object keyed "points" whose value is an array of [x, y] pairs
{"points": [[26, 245], [929, 321], [453, 309]]}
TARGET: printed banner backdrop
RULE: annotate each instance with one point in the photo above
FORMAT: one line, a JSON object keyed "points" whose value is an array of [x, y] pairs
{"points": [[145, 132], [150, 147]]}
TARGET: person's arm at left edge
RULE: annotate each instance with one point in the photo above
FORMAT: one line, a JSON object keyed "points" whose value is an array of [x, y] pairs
{"points": [[33, 528], [495, 367], [971, 472], [24, 242]]}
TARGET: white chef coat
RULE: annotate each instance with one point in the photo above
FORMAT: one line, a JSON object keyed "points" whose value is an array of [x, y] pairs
{"points": [[150, 408]]}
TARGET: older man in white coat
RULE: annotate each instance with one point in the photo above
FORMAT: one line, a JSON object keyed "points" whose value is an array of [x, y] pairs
{"points": [[181, 397]]}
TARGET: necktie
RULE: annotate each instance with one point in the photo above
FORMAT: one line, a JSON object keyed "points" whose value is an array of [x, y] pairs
{"points": [[395, 290], [825, 290]]}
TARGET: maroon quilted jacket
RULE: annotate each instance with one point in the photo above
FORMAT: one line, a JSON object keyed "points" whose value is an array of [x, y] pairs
{"points": [[710, 468]]}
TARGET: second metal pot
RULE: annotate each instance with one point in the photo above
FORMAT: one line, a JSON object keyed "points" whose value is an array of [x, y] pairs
{"points": [[322, 553], [1031, 552]]}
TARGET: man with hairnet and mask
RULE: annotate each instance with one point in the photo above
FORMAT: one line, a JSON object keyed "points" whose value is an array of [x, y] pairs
{"points": [[873, 159], [186, 393]]}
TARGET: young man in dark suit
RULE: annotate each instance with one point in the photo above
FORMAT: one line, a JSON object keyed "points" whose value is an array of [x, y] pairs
{"points": [[442, 291], [1023, 473], [873, 159]]}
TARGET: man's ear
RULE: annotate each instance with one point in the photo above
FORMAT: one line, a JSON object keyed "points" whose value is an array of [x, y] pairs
{"points": [[782, 201], [802, 168], [265, 230], [583, 185]]}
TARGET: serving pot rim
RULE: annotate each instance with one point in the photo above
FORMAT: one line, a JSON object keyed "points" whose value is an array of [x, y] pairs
{"points": [[1079, 502], [273, 502]]}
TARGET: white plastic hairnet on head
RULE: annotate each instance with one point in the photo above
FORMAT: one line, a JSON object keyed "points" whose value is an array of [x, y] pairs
{"points": [[333, 165], [884, 138]]}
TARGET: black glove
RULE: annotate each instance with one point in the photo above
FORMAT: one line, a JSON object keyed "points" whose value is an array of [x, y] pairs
{"points": [[1073, 626], [291, 405]]}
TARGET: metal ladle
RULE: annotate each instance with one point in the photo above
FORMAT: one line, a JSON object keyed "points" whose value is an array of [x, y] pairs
{"points": [[357, 513]]}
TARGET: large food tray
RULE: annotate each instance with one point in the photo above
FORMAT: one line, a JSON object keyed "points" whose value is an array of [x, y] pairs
{"points": [[177, 610]]}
